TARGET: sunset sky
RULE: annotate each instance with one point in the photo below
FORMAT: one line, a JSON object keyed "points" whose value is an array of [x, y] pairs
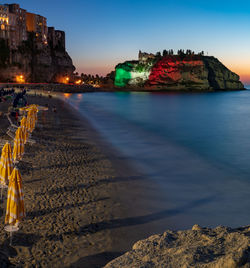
{"points": [[100, 34]]}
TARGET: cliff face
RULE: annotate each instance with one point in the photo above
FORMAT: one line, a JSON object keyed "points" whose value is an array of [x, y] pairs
{"points": [[174, 72], [37, 64], [49, 65]]}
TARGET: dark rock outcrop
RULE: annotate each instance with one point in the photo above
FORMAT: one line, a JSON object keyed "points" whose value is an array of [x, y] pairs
{"points": [[37, 63], [176, 72], [220, 247]]}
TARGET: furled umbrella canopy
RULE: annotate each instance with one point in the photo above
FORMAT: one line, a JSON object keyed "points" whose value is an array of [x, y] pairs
{"points": [[35, 111], [18, 149], [15, 203], [24, 128], [32, 111], [6, 164], [30, 120]]}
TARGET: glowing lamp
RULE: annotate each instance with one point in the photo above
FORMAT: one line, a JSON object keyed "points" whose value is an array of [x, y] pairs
{"points": [[20, 79], [78, 82], [65, 80]]}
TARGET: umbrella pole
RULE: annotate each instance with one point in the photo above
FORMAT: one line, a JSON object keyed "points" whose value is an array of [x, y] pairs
{"points": [[10, 229], [11, 236]]}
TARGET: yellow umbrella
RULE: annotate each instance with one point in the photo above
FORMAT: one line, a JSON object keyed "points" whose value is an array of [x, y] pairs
{"points": [[28, 121], [35, 111], [15, 203], [24, 128], [28, 107], [18, 149], [31, 119], [6, 164]]}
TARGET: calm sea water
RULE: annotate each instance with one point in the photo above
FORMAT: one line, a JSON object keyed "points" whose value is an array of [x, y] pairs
{"points": [[194, 148]]}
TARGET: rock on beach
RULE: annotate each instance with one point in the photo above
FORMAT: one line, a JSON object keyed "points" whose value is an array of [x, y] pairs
{"points": [[221, 247]]}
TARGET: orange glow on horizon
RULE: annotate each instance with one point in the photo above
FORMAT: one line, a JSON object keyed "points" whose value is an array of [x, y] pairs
{"points": [[240, 66], [245, 79]]}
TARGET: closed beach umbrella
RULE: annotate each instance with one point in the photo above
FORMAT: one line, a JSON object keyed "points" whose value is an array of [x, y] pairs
{"points": [[6, 164], [24, 128], [18, 149], [31, 118], [15, 203], [33, 121], [29, 121], [35, 111]]}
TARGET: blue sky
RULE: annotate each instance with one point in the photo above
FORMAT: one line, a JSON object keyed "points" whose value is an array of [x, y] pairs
{"points": [[101, 34]]}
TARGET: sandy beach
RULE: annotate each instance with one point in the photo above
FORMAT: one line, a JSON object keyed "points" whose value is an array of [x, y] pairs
{"points": [[80, 199]]}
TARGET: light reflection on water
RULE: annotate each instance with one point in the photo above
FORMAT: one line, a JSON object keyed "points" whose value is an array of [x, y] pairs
{"points": [[193, 145]]}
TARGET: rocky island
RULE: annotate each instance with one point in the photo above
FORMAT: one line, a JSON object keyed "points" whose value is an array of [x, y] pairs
{"points": [[183, 71]]}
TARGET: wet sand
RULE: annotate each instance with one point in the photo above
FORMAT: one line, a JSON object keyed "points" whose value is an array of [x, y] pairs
{"points": [[85, 204]]}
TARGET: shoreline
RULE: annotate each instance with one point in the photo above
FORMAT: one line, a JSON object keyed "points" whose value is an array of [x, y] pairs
{"points": [[65, 88]]}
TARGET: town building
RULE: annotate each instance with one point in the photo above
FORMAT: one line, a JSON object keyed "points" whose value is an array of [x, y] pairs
{"points": [[144, 57], [56, 38], [16, 23], [37, 24], [4, 21]]}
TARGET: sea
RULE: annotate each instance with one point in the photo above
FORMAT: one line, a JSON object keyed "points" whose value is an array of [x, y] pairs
{"points": [[194, 148]]}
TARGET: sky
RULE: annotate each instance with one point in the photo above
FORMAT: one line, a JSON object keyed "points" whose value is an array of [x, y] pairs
{"points": [[103, 33]]}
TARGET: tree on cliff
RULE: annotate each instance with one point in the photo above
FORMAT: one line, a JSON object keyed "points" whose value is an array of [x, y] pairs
{"points": [[164, 53], [158, 54]]}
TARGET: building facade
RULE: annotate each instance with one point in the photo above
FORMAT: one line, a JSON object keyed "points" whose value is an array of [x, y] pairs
{"points": [[4, 21], [56, 38], [37, 24], [144, 57], [16, 23]]}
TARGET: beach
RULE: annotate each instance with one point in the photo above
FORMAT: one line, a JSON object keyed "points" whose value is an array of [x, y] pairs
{"points": [[86, 203], [80, 199]]}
